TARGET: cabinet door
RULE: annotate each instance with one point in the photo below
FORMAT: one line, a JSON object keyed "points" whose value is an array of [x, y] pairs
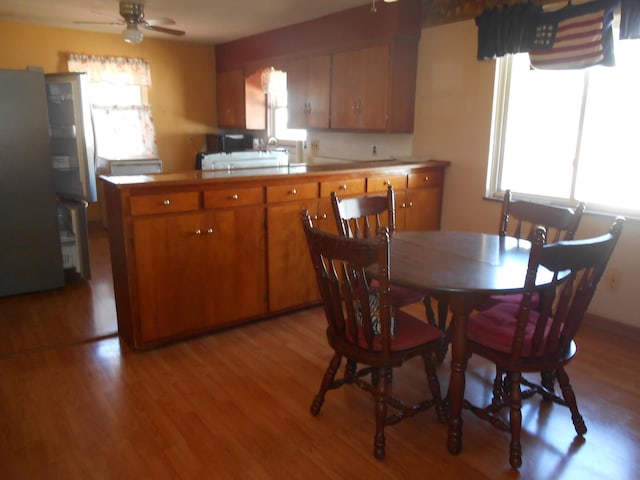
{"points": [[308, 86], [171, 275], [236, 285], [230, 95], [241, 101], [419, 209], [297, 79], [359, 89], [292, 279], [198, 270]]}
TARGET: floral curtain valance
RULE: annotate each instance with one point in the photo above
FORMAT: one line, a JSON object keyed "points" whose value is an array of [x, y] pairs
{"points": [[117, 70], [124, 132]]}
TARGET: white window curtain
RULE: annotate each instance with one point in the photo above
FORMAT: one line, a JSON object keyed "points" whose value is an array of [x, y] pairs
{"points": [[123, 123]]}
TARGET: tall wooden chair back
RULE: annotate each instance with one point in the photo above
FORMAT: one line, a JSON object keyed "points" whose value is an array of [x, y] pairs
{"points": [[521, 218], [362, 327], [362, 217], [519, 338]]}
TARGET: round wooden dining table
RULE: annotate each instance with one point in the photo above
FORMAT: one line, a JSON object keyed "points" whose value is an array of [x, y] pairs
{"points": [[462, 269]]}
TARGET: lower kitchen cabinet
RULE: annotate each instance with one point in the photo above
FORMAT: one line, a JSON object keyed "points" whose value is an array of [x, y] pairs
{"points": [[192, 254], [187, 271]]}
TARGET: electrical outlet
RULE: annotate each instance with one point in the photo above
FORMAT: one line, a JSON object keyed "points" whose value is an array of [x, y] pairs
{"points": [[315, 146], [613, 280]]}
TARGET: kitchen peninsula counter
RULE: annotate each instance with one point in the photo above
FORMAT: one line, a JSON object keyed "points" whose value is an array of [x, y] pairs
{"points": [[197, 251]]}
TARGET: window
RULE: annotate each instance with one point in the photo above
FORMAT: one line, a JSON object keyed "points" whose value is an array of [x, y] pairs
{"points": [[275, 85], [118, 95], [571, 135]]}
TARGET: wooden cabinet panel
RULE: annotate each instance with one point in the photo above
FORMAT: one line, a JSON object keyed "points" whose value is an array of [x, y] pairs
{"points": [[291, 276], [426, 178], [233, 197], [241, 101], [292, 192], [343, 187], [230, 96], [419, 209], [171, 276], [359, 89], [187, 271], [170, 202], [308, 87], [381, 183]]}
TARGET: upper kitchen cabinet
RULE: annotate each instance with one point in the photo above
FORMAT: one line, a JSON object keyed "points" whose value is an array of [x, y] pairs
{"points": [[241, 101], [308, 87], [373, 88]]}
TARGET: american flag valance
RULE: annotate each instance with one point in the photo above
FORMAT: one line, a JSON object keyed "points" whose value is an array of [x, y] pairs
{"points": [[575, 36]]}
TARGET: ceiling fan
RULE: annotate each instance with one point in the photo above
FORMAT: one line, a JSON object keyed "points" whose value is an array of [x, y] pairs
{"points": [[132, 14]]}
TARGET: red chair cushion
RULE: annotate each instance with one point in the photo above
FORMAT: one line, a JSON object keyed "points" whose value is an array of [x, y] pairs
{"points": [[495, 327], [410, 332], [512, 298]]}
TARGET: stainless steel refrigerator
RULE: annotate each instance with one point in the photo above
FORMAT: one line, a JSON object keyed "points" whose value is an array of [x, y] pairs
{"points": [[30, 249], [47, 179]]}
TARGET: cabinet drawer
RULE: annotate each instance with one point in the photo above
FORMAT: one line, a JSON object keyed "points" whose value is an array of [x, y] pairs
{"points": [[233, 197], [380, 184], [164, 203], [353, 186], [292, 192], [429, 178]]}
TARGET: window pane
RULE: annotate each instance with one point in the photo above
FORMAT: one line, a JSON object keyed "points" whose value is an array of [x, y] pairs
{"points": [[541, 130], [609, 153]]}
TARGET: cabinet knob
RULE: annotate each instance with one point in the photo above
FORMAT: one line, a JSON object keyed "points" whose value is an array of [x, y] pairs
{"points": [[404, 205], [410, 204], [293, 192], [387, 183], [234, 196], [426, 179], [167, 202], [198, 231], [210, 231], [343, 187]]}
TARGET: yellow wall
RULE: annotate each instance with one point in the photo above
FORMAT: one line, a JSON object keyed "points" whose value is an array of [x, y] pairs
{"points": [[454, 98], [182, 94]]}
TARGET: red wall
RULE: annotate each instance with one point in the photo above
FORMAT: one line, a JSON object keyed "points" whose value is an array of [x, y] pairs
{"points": [[349, 27]]}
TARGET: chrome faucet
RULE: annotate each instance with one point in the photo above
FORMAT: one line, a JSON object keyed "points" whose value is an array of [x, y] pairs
{"points": [[272, 141]]}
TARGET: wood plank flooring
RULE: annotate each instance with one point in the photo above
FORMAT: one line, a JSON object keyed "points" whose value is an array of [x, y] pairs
{"points": [[76, 404]]}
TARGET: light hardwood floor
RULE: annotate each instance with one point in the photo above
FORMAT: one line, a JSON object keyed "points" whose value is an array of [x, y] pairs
{"points": [[76, 404]]}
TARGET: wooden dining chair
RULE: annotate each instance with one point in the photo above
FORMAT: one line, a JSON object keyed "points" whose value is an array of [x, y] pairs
{"points": [[521, 339], [362, 217], [363, 328]]}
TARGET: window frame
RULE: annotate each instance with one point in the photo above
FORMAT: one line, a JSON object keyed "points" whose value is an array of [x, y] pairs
{"points": [[499, 118]]}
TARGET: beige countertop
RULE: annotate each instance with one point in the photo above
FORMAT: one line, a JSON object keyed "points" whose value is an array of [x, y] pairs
{"points": [[298, 170]]}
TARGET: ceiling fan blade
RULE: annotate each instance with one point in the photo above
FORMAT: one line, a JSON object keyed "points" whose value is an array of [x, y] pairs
{"points": [[159, 21], [79, 22], [170, 31]]}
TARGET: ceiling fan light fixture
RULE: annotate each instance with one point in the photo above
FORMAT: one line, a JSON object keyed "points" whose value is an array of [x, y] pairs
{"points": [[390, 1], [131, 34]]}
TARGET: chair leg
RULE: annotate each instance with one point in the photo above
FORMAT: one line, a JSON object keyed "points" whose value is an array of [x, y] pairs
{"points": [[515, 420], [380, 415], [350, 370], [498, 389], [428, 308], [547, 380], [570, 398], [434, 386], [327, 380]]}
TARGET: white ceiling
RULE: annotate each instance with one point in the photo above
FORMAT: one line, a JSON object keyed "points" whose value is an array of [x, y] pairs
{"points": [[208, 21]]}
